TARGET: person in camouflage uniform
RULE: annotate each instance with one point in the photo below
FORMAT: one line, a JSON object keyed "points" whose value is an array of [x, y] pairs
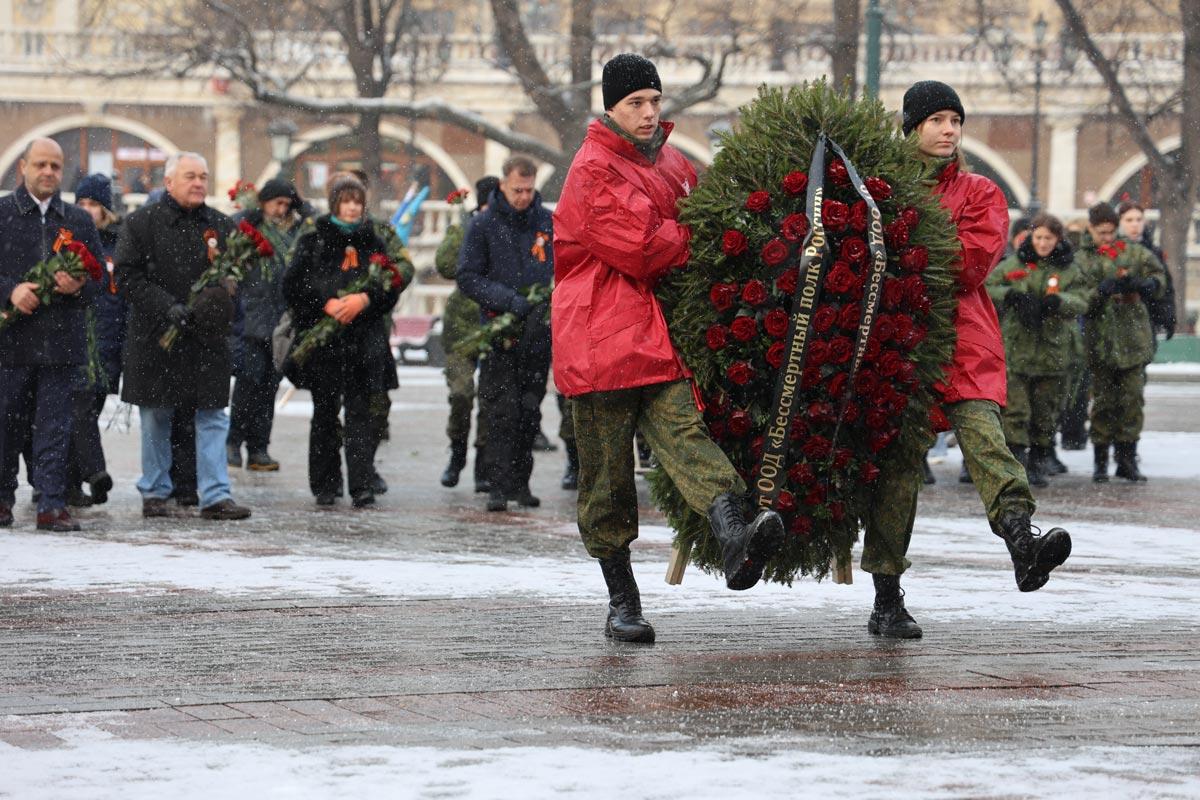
{"points": [[460, 319], [1041, 293], [1118, 338]]}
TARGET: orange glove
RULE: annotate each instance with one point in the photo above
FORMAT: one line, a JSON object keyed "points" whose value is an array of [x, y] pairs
{"points": [[332, 306], [352, 306]]}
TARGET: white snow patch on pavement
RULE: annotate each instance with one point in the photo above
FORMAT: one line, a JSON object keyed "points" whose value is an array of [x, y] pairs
{"points": [[92, 767], [1161, 454], [1117, 575]]}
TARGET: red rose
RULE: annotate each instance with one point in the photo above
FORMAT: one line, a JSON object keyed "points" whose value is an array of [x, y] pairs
{"points": [[842, 457], [911, 217], [802, 473], [915, 259], [854, 250], [787, 282], [879, 441], [868, 473], [904, 326], [744, 328], [774, 253], [798, 431], [820, 412], [716, 429], [896, 234], [841, 278], [722, 295], [850, 413], [889, 364], [837, 384], [265, 249], [908, 372], [938, 419], [818, 353], [775, 323], [719, 404], [823, 318], [794, 183], [801, 526], [246, 228], [794, 227], [734, 243], [739, 423], [837, 510], [817, 448], [885, 329], [840, 350], [865, 383], [740, 373], [756, 448], [836, 172], [914, 289], [877, 419], [835, 214], [878, 188], [885, 393], [785, 502], [859, 216], [848, 317], [810, 377], [754, 292], [873, 348], [900, 401], [775, 355], [717, 336], [815, 496], [893, 293], [758, 202]]}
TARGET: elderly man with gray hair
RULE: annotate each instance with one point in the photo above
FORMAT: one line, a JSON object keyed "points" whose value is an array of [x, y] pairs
{"points": [[164, 247]]}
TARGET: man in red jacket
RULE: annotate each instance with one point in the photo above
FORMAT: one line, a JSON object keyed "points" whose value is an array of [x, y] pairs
{"points": [[975, 386], [615, 236]]}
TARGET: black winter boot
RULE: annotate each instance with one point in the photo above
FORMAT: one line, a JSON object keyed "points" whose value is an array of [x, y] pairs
{"points": [[930, 480], [1125, 454], [482, 484], [625, 622], [497, 500], [570, 479], [1033, 555], [525, 498], [1032, 473], [458, 460], [1100, 463], [746, 548], [890, 618], [1050, 463], [963, 475]]}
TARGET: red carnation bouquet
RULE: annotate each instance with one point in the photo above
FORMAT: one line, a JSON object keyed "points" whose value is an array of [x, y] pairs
{"points": [[67, 256], [381, 271], [245, 249]]}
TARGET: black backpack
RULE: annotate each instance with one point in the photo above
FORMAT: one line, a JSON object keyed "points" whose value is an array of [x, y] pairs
{"points": [[1162, 311]]}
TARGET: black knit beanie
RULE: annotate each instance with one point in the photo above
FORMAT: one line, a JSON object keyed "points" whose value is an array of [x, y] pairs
{"points": [[626, 74], [925, 98], [277, 187]]}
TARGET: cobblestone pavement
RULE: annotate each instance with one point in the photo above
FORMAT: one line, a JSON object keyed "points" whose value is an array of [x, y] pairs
{"points": [[427, 623]]}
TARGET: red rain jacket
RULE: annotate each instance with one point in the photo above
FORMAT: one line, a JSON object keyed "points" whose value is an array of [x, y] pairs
{"points": [[615, 235], [978, 208]]}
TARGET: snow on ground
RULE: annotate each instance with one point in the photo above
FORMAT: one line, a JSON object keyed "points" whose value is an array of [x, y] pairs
{"points": [[96, 767], [959, 570]]}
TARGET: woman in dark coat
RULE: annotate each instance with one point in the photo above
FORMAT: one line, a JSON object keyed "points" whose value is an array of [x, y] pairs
{"points": [[355, 364]]}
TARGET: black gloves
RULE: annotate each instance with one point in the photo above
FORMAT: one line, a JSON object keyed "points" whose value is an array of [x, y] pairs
{"points": [[1126, 284], [1147, 288], [1051, 303], [520, 306], [1024, 305], [180, 316], [1107, 287]]}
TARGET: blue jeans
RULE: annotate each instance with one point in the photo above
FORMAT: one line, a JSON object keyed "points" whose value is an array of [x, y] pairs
{"points": [[212, 473]]}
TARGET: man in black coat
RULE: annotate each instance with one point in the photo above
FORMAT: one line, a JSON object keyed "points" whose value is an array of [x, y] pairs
{"points": [[253, 409], [42, 352], [506, 250], [164, 247]]}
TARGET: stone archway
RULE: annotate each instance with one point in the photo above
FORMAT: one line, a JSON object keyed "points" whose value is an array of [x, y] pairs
{"points": [[1123, 173], [1013, 186]]}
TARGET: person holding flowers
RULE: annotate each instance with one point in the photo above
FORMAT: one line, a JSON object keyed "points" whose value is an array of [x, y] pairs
{"points": [[616, 235], [176, 349], [46, 255], [341, 283]]}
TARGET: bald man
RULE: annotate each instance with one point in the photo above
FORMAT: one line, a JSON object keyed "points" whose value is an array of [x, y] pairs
{"points": [[42, 354]]}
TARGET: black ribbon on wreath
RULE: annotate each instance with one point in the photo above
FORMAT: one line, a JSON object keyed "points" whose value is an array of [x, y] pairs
{"points": [[815, 253]]}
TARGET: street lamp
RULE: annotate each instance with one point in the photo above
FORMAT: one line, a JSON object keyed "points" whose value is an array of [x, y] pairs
{"points": [[280, 132], [1039, 54]]}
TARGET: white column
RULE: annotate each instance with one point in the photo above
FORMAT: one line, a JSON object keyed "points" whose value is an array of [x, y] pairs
{"points": [[227, 159], [495, 153], [1064, 155]]}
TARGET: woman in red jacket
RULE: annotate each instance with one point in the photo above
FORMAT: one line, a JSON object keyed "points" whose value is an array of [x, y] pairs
{"points": [[615, 235], [974, 389]]}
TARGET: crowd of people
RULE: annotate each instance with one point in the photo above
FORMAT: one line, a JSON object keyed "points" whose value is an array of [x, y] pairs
{"points": [[1061, 319]]}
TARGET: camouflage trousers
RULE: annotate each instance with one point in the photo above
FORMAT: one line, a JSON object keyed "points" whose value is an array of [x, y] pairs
{"points": [[460, 380], [998, 476], [1118, 398], [666, 415], [1034, 403], [566, 424]]}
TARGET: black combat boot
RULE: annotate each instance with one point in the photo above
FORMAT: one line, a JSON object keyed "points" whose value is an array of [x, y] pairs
{"points": [[101, 484], [1050, 463], [890, 618], [1125, 454], [497, 501], [930, 480], [746, 547], [570, 479], [482, 484], [1100, 463], [458, 460], [1032, 473], [525, 498], [963, 475], [625, 622], [1033, 555]]}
